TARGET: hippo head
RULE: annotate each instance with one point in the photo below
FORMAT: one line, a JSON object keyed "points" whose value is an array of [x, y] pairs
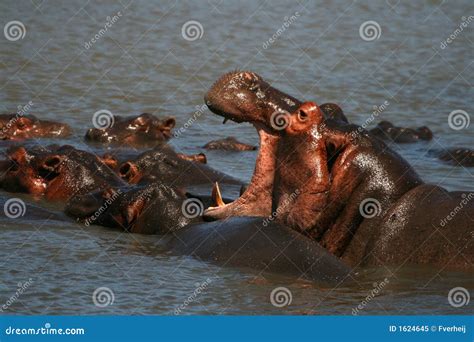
{"points": [[142, 130], [19, 174], [56, 172], [155, 208], [18, 127], [246, 97]]}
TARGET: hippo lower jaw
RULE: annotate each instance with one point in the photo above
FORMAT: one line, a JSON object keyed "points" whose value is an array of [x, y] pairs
{"points": [[257, 198]]}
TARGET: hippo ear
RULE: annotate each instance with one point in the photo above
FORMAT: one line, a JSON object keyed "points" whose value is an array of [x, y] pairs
{"points": [[18, 155], [169, 123]]}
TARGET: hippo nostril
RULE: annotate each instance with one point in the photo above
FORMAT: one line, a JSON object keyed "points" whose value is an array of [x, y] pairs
{"points": [[125, 169], [52, 163], [129, 171]]}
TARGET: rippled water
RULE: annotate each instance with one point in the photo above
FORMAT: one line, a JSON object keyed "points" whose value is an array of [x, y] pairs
{"points": [[142, 63]]}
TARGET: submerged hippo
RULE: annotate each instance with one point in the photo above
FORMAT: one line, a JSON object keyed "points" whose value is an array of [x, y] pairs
{"points": [[457, 156], [165, 166], [151, 209], [145, 130], [18, 127], [362, 174], [229, 144], [387, 131], [58, 173], [238, 242]]}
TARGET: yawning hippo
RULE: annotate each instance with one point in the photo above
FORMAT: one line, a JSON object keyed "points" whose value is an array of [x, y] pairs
{"points": [[365, 177]]}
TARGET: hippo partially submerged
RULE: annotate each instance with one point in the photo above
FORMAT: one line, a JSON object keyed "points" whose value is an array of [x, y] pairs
{"points": [[144, 130], [361, 173], [19, 127], [56, 172]]}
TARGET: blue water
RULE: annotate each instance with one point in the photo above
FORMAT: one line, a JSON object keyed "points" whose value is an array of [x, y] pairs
{"points": [[143, 64]]}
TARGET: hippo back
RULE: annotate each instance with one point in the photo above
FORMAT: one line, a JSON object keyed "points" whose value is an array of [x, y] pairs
{"points": [[270, 247]]}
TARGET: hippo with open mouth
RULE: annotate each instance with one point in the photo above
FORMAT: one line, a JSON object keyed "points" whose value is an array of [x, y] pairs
{"points": [[339, 170]]}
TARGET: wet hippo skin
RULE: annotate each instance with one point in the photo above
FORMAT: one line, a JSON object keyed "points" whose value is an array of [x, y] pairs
{"points": [[246, 242]]}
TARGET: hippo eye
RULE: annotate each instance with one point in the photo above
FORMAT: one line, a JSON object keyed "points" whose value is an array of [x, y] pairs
{"points": [[302, 115]]}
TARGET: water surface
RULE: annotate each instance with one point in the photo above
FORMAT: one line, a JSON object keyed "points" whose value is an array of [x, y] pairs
{"points": [[143, 64]]}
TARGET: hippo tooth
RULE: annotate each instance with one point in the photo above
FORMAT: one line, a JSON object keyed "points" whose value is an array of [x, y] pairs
{"points": [[225, 120], [216, 195]]}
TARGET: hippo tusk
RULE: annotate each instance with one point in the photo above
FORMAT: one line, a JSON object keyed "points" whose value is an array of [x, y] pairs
{"points": [[217, 196]]}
